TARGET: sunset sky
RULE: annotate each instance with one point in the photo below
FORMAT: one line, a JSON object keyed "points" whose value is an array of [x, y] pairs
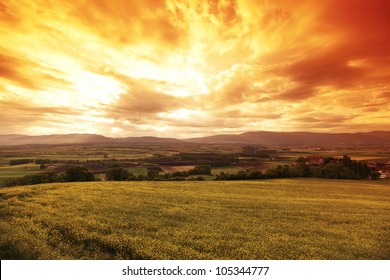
{"points": [[193, 68]]}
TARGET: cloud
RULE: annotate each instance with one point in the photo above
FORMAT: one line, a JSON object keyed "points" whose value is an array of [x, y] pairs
{"points": [[385, 95], [27, 74], [128, 22], [7, 16], [322, 118], [12, 69], [141, 101], [350, 59], [194, 67], [19, 114]]}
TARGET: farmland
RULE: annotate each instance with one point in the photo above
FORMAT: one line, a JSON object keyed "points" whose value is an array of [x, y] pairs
{"points": [[7, 171], [268, 219], [166, 158]]}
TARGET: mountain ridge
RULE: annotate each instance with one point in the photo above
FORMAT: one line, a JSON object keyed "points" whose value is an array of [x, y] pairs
{"points": [[252, 137]]}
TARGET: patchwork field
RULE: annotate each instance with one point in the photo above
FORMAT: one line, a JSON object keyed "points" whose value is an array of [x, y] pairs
{"points": [[269, 219]]}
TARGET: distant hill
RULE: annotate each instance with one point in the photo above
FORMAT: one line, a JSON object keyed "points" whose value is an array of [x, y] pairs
{"points": [[18, 139], [258, 138], [149, 140], [300, 138]]}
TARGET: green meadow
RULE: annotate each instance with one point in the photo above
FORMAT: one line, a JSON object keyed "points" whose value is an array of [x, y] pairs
{"points": [[268, 219]]}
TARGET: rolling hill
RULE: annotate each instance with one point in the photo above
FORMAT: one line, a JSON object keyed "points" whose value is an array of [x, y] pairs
{"points": [[300, 138], [19, 139], [259, 137]]}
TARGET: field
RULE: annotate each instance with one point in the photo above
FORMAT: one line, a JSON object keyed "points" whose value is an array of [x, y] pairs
{"points": [[167, 158], [269, 219], [7, 171]]}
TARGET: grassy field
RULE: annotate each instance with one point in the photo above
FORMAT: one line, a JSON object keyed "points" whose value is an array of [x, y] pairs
{"points": [[269, 219]]}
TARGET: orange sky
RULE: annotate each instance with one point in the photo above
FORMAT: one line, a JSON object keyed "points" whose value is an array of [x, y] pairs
{"points": [[193, 68]]}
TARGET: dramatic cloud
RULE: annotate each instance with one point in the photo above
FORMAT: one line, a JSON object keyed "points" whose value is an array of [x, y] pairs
{"points": [[193, 68]]}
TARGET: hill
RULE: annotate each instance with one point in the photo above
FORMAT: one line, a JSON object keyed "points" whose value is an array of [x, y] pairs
{"points": [[259, 138], [300, 138], [269, 219], [149, 140], [19, 139]]}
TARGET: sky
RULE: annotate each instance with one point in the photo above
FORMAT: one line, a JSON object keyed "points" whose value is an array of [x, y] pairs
{"points": [[193, 68]]}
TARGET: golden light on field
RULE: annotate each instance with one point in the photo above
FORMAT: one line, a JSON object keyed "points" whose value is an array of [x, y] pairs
{"points": [[193, 68]]}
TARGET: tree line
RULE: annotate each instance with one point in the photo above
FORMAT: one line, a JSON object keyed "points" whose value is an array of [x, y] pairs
{"points": [[82, 174], [332, 168], [73, 174], [121, 174]]}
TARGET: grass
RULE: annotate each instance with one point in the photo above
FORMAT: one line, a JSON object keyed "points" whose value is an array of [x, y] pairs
{"points": [[269, 219]]}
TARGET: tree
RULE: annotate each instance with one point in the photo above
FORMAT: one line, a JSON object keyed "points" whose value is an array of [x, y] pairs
{"points": [[305, 171], [118, 174], [200, 170], [282, 171], [255, 175], [78, 174], [152, 174], [332, 171]]}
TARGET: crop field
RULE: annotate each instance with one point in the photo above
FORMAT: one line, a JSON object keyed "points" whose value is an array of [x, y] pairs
{"points": [[137, 170], [269, 219]]}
